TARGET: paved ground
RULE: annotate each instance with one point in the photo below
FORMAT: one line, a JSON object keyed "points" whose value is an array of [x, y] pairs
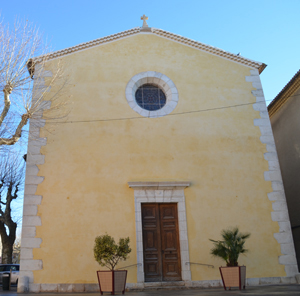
{"points": [[280, 290]]}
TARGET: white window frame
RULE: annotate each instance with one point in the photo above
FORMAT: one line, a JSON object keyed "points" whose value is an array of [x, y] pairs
{"points": [[158, 79]]}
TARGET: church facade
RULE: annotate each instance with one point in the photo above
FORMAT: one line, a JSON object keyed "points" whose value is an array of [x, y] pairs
{"points": [[168, 142]]}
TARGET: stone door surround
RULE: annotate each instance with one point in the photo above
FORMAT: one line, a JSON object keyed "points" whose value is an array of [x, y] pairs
{"points": [[161, 192]]}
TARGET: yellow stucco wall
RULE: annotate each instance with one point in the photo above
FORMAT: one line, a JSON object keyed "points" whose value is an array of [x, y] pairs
{"points": [[88, 164]]}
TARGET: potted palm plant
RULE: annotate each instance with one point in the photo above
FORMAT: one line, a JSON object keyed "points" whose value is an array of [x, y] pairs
{"points": [[108, 253], [229, 249]]}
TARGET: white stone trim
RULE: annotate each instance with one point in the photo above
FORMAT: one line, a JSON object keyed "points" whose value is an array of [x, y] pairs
{"points": [[158, 79], [31, 219], [277, 196], [161, 192]]}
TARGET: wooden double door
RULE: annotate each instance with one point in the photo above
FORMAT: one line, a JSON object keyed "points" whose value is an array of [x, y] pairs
{"points": [[161, 242]]}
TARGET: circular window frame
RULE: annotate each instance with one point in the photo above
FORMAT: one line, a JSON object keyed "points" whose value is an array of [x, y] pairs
{"points": [[158, 79]]}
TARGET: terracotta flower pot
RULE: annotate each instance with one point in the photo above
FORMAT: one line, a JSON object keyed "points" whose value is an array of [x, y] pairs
{"points": [[112, 281], [234, 276]]}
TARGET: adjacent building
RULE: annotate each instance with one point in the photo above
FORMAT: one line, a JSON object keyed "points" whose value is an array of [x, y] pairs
{"points": [[284, 113]]}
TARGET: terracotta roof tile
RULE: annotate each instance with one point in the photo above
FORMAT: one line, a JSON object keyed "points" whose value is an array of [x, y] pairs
{"points": [[183, 40]]}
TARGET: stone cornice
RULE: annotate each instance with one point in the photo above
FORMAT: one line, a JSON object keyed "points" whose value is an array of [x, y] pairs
{"points": [[177, 38], [291, 87], [159, 185]]}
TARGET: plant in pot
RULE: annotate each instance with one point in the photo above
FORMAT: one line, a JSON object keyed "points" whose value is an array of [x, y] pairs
{"points": [[108, 253], [229, 249]]}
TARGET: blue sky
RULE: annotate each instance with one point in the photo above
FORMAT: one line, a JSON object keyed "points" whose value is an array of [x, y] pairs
{"points": [[265, 31]]}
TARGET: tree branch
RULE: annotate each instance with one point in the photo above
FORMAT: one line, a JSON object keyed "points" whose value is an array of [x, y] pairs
{"points": [[22, 57], [15, 138], [7, 91]]}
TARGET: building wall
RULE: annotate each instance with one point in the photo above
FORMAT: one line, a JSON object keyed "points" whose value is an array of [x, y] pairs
{"points": [[285, 124], [88, 164]]}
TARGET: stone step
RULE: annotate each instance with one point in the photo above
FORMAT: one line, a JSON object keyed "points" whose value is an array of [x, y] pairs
{"points": [[164, 285], [165, 288]]}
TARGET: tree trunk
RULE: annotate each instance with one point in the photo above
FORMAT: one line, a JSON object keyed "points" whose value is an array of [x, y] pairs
{"points": [[7, 242], [7, 251]]}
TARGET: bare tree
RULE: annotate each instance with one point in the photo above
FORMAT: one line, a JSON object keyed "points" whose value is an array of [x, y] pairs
{"points": [[12, 174], [26, 77]]}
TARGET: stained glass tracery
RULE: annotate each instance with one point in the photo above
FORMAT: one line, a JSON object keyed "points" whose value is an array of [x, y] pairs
{"points": [[150, 97]]}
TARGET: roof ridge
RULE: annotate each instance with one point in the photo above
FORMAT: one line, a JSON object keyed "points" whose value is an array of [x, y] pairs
{"points": [[175, 37]]}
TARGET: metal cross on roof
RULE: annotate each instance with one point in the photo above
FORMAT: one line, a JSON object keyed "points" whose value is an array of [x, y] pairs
{"points": [[144, 18]]}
